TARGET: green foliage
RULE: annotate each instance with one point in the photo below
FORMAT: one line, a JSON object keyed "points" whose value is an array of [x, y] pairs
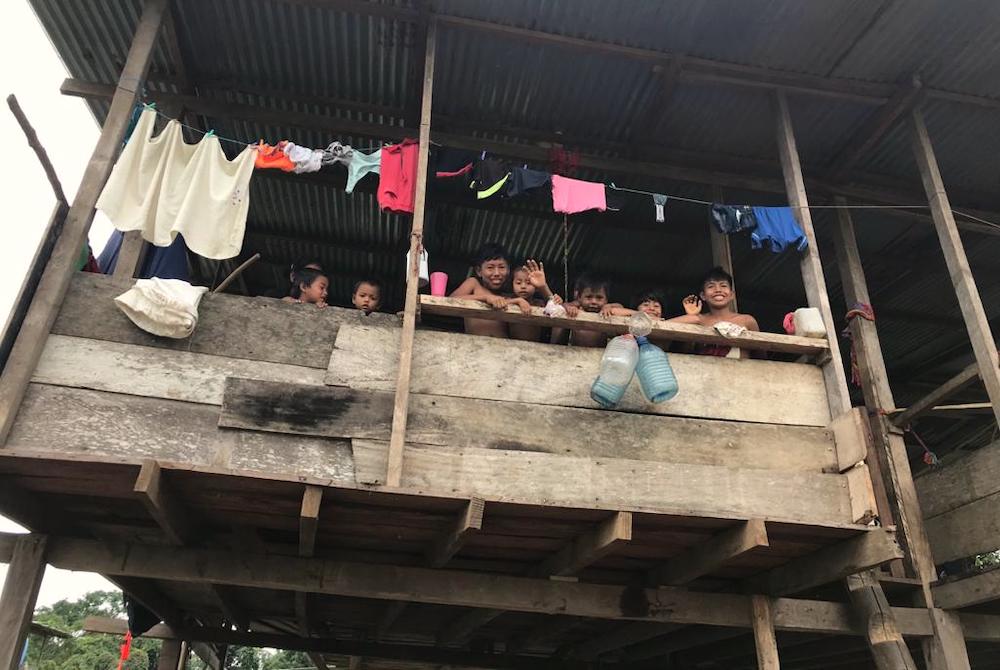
{"points": [[86, 652], [283, 660], [988, 561]]}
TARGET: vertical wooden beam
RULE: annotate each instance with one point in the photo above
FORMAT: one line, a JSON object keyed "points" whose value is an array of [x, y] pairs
{"points": [[983, 344], [884, 639], [312, 498], [946, 650], [888, 452], [812, 267], [401, 406], [170, 655], [130, 255], [61, 266], [17, 603], [721, 253], [763, 633]]}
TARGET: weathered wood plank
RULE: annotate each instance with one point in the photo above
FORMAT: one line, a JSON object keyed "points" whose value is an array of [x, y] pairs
{"points": [[969, 591], [809, 261], [850, 433], [946, 650], [130, 427], [259, 329], [967, 530], [763, 633], [706, 557], [851, 556], [469, 521], [613, 483], [459, 365], [984, 346], [960, 482], [451, 587], [17, 601], [590, 547], [929, 401], [663, 331], [463, 422], [153, 372], [168, 513], [312, 498]]}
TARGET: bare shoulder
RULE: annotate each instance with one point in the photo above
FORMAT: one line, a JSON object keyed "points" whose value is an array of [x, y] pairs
{"points": [[746, 321], [468, 287]]}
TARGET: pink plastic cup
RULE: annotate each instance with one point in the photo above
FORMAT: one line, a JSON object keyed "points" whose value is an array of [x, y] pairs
{"points": [[439, 283]]}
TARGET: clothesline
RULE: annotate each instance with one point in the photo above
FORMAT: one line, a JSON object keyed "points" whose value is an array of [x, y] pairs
{"points": [[680, 198], [698, 201]]}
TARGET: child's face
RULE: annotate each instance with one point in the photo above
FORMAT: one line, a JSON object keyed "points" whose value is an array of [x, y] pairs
{"points": [[367, 297], [717, 293], [522, 285], [592, 299], [315, 292], [652, 307], [493, 273]]}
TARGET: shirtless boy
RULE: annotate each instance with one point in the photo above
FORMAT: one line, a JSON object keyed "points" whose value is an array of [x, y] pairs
{"points": [[491, 272], [717, 292]]}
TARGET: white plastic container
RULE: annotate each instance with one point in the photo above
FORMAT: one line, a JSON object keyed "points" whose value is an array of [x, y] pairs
{"points": [[809, 323], [423, 277]]}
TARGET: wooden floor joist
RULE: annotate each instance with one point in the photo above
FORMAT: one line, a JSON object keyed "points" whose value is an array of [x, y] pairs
{"points": [[452, 587], [968, 591], [934, 398], [706, 557]]}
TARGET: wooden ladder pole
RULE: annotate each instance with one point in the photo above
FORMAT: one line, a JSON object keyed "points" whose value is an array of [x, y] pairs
{"points": [[400, 409]]}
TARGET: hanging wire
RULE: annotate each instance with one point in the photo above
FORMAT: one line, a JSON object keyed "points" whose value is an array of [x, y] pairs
{"points": [[680, 198], [566, 295]]}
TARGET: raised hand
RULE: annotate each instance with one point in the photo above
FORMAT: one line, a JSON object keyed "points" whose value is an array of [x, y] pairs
{"points": [[692, 305], [536, 273]]}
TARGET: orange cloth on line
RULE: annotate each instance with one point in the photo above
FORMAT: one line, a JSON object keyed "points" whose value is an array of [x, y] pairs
{"points": [[272, 157]]}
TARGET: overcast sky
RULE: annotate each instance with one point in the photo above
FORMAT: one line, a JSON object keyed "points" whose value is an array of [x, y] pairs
{"points": [[31, 70]]}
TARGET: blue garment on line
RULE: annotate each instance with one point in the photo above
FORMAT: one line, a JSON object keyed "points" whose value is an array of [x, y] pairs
{"points": [[777, 229], [163, 262]]}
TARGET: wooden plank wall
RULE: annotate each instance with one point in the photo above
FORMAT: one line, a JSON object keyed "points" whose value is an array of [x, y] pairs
{"points": [[961, 505], [458, 365], [257, 368]]}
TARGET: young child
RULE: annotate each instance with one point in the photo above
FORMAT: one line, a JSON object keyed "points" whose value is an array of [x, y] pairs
{"points": [[530, 290], [309, 287], [590, 294], [367, 295], [651, 303], [717, 292], [491, 272]]}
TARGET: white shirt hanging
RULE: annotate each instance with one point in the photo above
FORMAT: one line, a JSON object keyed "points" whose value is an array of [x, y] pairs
{"points": [[163, 186]]}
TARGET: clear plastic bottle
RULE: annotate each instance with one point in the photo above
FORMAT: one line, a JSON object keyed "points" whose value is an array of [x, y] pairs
{"points": [[656, 377], [617, 368], [554, 309]]}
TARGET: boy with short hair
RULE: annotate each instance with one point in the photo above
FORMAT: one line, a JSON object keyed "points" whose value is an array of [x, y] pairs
{"points": [[717, 292], [590, 294], [367, 295], [491, 272]]}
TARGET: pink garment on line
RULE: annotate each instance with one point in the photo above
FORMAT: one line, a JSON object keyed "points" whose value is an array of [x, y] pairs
{"points": [[570, 196]]}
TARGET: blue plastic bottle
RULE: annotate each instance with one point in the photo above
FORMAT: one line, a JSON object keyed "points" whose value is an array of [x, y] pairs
{"points": [[656, 377], [617, 368]]}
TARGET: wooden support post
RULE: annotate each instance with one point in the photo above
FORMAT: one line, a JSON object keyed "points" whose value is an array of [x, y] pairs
{"points": [[763, 633], [130, 255], [946, 650], [721, 253], [812, 268], [884, 638], [983, 344], [17, 603], [887, 457], [312, 498], [170, 655], [61, 266], [401, 407], [707, 556]]}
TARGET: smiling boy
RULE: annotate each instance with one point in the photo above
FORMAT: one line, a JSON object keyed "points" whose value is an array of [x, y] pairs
{"points": [[717, 292], [491, 270]]}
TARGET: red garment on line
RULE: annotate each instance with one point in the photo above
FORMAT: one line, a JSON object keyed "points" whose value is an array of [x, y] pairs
{"points": [[398, 177]]}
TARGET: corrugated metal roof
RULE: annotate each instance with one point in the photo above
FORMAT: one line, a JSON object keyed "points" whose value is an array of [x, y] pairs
{"points": [[300, 56]]}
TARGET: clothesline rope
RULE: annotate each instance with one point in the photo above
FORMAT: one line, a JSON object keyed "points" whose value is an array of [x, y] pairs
{"points": [[681, 198]]}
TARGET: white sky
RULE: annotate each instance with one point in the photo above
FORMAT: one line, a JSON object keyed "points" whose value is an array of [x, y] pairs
{"points": [[31, 70]]}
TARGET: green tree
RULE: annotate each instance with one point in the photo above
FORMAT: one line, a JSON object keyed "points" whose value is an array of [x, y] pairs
{"points": [[85, 652]]}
